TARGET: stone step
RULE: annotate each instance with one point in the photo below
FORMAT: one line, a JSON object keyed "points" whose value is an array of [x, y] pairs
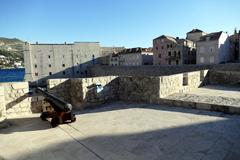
{"points": [[194, 104]]}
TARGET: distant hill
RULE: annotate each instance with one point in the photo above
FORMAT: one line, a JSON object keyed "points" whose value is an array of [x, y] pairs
{"points": [[11, 48]]}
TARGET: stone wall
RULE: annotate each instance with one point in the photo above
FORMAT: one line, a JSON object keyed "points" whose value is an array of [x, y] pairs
{"points": [[224, 77], [91, 91], [15, 99], [184, 82], [2, 105], [156, 70], [139, 89], [60, 88], [170, 84], [82, 92], [151, 89]]}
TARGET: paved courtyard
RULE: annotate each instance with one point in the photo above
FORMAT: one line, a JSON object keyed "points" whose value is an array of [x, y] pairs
{"points": [[126, 132]]}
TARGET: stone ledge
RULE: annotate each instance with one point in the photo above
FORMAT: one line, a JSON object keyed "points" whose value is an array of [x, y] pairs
{"points": [[202, 106]]}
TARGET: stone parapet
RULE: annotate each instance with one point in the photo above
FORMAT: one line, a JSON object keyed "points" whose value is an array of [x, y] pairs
{"points": [[92, 91], [15, 99]]}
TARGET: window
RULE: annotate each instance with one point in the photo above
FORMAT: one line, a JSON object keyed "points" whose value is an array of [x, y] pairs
{"points": [[162, 47], [63, 56], [63, 65], [175, 53], [50, 65], [156, 48], [169, 62], [49, 56], [171, 45], [63, 72], [168, 46], [211, 49], [177, 62], [159, 55], [35, 66], [169, 53], [77, 72], [179, 54], [36, 74], [50, 73]]}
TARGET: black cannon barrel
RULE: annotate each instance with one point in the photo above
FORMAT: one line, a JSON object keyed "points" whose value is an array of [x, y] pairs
{"points": [[59, 103]]}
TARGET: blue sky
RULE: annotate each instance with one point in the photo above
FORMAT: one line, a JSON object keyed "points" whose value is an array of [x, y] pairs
{"points": [[129, 23]]}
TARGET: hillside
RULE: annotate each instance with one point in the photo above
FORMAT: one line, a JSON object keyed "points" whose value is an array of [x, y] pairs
{"points": [[12, 48]]}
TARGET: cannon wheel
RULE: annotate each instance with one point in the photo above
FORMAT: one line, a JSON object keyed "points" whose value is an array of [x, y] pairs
{"points": [[55, 121], [44, 116], [73, 118]]}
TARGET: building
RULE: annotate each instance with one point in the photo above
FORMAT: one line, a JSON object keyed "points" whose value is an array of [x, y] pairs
{"points": [[213, 48], [114, 59], [195, 35], [234, 46], [173, 51], [44, 61], [136, 57], [107, 53]]}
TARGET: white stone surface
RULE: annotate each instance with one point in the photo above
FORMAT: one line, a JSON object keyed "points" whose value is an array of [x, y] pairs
{"points": [[126, 132]]}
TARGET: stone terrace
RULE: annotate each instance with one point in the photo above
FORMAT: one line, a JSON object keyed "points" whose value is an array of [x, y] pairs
{"points": [[211, 97], [126, 131]]}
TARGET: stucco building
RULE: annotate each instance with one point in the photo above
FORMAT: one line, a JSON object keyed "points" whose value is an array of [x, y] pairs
{"points": [[234, 46], [44, 61], [136, 57], [114, 59], [213, 48], [173, 51], [195, 35]]}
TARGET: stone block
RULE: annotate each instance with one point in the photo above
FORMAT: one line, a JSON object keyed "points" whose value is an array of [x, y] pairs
{"points": [[189, 104], [234, 110], [203, 106], [1, 91], [220, 108], [19, 85]]}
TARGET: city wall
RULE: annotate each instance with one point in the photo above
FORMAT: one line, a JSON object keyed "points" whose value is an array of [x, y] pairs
{"points": [[82, 92], [224, 77], [96, 71], [86, 92], [151, 89]]}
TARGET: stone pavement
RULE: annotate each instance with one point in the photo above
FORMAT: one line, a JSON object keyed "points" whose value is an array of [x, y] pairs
{"points": [[212, 94], [123, 131], [212, 97]]}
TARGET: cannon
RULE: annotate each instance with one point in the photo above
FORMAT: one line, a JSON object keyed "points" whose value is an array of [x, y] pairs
{"points": [[62, 110]]}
